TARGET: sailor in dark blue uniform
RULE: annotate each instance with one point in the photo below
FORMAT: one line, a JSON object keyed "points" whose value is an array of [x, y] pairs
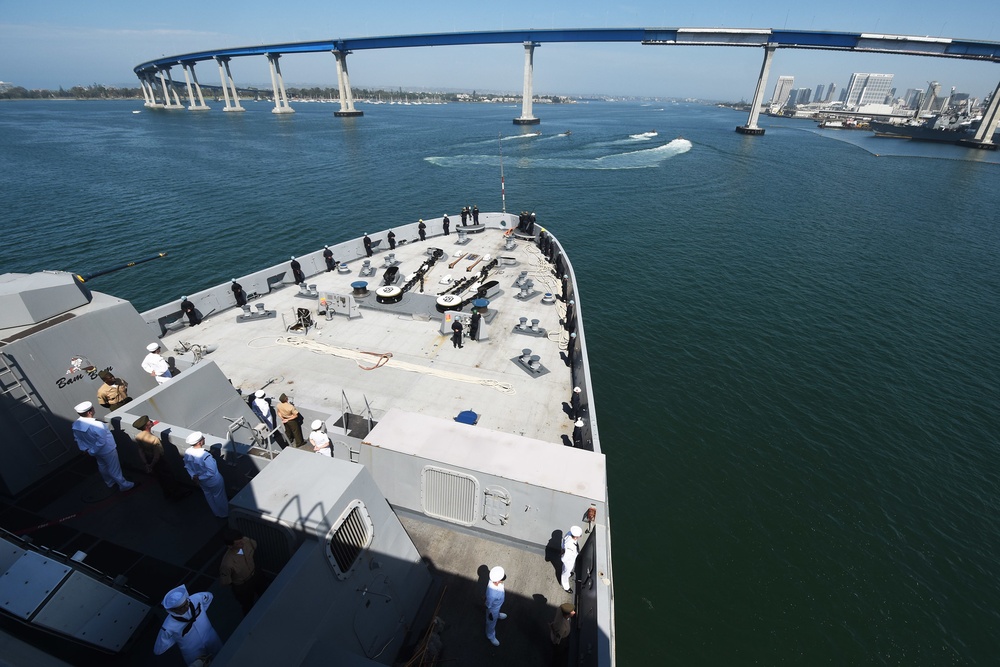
{"points": [[297, 271], [392, 239], [456, 333], [422, 228], [446, 223], [475, 214], [189, 310], [241, 296], [474, 325], [368, 244], [465, 215], [328, 256]]}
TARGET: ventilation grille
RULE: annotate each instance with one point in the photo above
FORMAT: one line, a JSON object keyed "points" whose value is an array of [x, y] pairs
{"points": [[450, 495], [349, 538]]}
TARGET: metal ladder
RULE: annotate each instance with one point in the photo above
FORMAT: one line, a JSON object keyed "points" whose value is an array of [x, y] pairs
{"points": [[29, 413]]}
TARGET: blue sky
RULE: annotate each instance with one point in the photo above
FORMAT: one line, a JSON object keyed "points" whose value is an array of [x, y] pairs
{"points": [[52, 43]]}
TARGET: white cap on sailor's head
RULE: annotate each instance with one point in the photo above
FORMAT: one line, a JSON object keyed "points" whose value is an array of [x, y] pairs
{"points": [[259, 393], [175, 597], [184, 298], [194, 437], [152, 347], [317, 424], [576, 390], [576, 531], [84, 408], [497, 574]]}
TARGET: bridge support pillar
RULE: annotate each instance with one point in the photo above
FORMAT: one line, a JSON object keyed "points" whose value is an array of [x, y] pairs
{"points": [[190, 74], [347, 109], [984, 135], [758, 96], [148, 91], [227, 81], [281, 104], [526, 117], [170, 97]]}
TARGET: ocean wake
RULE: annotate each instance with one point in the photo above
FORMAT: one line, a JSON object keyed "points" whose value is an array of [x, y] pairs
{"points": [[640, 159]]}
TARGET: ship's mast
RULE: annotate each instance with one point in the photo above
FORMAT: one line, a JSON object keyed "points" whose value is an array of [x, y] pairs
{"points": [[503, 196]]}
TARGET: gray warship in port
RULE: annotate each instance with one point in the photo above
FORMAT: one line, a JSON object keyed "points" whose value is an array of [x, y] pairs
{"points": [[447, 461]]}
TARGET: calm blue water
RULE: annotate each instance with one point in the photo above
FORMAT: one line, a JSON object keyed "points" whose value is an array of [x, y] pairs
{"points": [[799, 374]]}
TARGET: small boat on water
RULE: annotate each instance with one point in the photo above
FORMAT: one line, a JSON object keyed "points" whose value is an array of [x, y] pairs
{"points": [[450, 373]]}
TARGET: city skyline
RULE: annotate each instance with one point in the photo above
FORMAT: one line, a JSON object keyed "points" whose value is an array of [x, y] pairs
{"points": [[49, 44]]}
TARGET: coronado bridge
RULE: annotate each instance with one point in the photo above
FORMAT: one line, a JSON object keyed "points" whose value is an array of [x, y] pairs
{"points": [[160, 90]]}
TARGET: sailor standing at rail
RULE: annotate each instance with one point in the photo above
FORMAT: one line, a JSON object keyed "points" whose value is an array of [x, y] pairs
{"points": [[155, 365], [297, 271], [391, 236], [94, 438], [445, 224], [328, 258], [187, 626], [239, 294], [422, 230], [571, 549], [368, 244], [494, 600], [319, 440], [262, 408], [204, 471]]}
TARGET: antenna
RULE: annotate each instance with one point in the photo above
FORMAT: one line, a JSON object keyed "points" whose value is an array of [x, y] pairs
{"points": [[503, 195]]}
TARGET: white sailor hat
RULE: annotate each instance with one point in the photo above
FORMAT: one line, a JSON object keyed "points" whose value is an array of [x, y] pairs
{"points": [[317, 424], [576, 531], [82, 408], [175, 597], [153, 347], [194, 437], [259, 393], [497, 574], [184, 297], [576, 390]]}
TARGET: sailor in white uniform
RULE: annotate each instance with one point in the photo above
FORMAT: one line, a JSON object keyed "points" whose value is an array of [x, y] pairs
{"points": [[187, 626], [201, 465], [155, 365], [319, 440], [262, 408], [93, 437], [571, 549], [494, 600]]}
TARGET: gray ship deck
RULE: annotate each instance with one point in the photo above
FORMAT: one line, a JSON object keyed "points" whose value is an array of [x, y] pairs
{"points": [[425, 374], [158, 544]]}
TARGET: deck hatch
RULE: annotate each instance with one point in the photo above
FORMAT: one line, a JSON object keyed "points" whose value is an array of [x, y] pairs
{"points": [[450, 495], [349, 537]]}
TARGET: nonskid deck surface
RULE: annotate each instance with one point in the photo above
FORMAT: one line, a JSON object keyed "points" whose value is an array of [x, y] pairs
{"points": [[426, 373], [461, 566]]}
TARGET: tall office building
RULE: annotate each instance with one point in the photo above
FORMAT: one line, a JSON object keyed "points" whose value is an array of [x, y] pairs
{"points": [[865, 88], [932, 98], [830, 91], [781, 90], [819, 93]]}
